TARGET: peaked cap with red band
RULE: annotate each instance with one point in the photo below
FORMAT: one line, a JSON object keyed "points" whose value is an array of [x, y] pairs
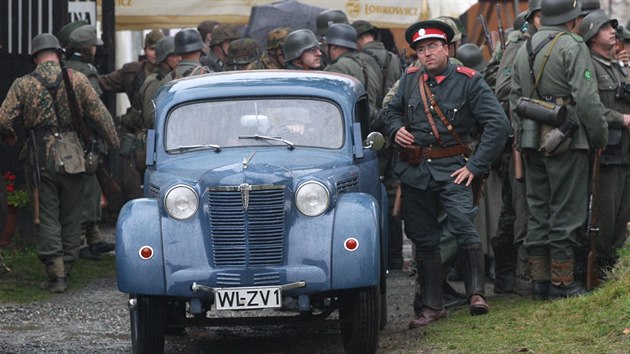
{"points": [[428, 30]]}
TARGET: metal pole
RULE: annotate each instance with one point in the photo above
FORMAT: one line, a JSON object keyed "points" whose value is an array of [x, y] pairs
{"points": [[108, 16]]}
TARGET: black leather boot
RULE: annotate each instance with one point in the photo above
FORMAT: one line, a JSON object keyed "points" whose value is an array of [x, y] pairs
{"points": [[430, 272], [473, 258], [504, 265]]}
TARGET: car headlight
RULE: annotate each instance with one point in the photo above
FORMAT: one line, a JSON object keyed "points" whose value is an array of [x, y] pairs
{"points": [[312, 198], [181, 202]]}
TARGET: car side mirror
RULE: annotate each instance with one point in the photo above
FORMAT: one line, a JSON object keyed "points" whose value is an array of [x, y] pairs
{"points": [[374, 141]]}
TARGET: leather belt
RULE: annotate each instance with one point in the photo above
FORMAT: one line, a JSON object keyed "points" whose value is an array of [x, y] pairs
{"points": [[415, 154]]}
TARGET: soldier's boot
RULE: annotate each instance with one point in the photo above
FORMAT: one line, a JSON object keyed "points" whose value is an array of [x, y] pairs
{"points": [[504, 265], [523, 277], [431, 276], [56, 282], [67, 268], [563, 284], [95, 241], [473, 258], [540, 272]]}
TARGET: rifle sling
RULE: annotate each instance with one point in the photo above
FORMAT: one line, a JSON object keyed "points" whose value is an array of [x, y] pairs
{"points": [[532, 57]]}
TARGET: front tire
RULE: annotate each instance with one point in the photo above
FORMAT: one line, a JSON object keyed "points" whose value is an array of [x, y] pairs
{"points": [[360, 320], [147, 325]]}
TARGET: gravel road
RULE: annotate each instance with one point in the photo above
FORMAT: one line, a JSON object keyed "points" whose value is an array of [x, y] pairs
{"points": [[96, 320]]}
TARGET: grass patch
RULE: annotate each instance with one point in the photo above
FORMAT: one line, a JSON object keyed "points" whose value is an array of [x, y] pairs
{"points": [[22, 284], [596, 323]]}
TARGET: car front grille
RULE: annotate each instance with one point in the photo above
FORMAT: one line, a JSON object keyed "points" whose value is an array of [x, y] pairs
{"points": [[247, 236]]}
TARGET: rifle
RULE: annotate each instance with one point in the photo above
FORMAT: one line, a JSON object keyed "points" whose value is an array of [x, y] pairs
{"points": [[36, 179], [486, 33], [108, 184], [593, 228], [501, 31]]}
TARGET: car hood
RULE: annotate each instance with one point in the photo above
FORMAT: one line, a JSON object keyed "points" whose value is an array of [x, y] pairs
{"points": [[252, 167]]}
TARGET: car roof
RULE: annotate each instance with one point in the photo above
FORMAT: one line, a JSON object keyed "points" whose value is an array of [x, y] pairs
{"points": [[251, 83]]}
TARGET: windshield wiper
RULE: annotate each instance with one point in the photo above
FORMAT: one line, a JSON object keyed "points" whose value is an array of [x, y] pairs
{"points": [[272, 138], [181, 148]]}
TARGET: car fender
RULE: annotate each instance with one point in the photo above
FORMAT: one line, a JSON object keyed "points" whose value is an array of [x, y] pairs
{"points": [[357, 216], [138, 225]]}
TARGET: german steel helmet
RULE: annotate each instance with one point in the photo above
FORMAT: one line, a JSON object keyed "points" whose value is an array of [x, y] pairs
{"points": [[44, 41], [520, 22], [164, 47], [471, 56], [593, 22], [188, 40], [242, 51], [557, 12], [363, 26], [589, 6], [457, 34], [152, 37], [297, 42], [532, 6], [276, 37], [342, 34], [65, 31], [224, 32], [327, 18]]}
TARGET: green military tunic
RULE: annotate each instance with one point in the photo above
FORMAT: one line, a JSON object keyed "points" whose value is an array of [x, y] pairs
{"points": [[362, 67], [58, 234], [388, 63], [556, 185], [613, 211], [147, 93]]}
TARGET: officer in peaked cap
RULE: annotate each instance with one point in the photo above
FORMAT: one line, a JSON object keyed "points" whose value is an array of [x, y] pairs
{"points": [[84, 37], [436, 166]]}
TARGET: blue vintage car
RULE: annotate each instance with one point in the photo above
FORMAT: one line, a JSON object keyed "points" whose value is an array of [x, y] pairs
{"points": [[261, 192]]}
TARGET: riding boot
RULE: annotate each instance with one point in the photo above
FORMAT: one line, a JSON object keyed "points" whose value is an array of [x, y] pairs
{"points": [[563, 284], [523, 276], [473, 258], [430, 272], [504, 265], [539, 268]]}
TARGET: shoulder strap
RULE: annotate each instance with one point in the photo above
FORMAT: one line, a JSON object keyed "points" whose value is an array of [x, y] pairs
{"points": [[52, 89], [532, 57], [424, 89]]}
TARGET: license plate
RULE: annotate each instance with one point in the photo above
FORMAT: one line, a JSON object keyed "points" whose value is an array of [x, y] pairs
{"points": [[247, 298]]}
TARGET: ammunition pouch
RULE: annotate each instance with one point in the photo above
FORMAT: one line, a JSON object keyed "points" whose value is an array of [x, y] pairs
{"points": [[414, 154], [541, 111]]}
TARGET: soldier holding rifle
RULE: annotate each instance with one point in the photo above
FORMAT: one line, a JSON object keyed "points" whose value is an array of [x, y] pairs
{"points": [[613, 202], [40, 100], [558, 118]]}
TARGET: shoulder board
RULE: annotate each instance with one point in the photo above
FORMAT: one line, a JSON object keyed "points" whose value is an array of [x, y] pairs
{"points": [[577, 37], [466, 71], [412, 69]]}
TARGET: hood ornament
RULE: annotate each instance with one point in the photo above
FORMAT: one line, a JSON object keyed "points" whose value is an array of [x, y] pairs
{"points": [[245, 188], [247, 160]]}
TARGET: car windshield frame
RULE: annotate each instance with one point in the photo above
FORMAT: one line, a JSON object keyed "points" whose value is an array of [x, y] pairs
{"points": [[312, 122]]}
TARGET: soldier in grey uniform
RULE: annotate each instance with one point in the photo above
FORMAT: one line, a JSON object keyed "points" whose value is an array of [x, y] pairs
{"points": [[222, 35], [323, 21], [167, 61], [613, 201], [341, 42], [301, 51], [511, 268], [188, 45], [83, 42], [436, 168], [557, 177], [32, 102]]}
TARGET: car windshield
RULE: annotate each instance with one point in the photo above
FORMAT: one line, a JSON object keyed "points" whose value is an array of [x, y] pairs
{"points": [[284, 122]]}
